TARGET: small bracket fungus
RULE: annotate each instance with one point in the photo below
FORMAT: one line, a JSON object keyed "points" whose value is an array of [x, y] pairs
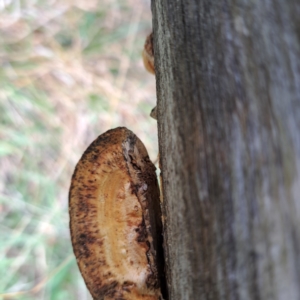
{"points": [[148, 59], [148, 54], [115, 219]]}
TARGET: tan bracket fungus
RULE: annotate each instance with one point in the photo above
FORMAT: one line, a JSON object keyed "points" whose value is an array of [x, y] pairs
{"points": [[115, 219], [148, 59], [148, 54]]}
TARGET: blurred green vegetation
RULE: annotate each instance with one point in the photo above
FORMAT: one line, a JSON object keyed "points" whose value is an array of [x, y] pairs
{"points": [[70, 70]]}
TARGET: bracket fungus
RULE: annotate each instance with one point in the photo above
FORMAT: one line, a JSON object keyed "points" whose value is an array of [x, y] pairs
{"points": [[148, 59], [115, 219], [148, 54]]}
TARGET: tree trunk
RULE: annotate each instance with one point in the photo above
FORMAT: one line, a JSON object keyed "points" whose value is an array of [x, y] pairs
{"points": [[228, 88]]}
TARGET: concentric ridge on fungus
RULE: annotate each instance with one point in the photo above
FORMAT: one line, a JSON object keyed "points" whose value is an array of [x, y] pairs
{"points": [[115, 219]]}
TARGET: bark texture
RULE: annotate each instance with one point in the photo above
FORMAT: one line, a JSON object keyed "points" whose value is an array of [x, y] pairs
{"points": [[228, 87]]}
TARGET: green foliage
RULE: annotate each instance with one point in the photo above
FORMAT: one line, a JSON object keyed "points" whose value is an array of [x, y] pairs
{"points": [[70, 70]]}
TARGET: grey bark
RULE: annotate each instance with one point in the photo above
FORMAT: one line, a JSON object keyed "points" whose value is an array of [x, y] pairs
{"points": [[228, 88]]}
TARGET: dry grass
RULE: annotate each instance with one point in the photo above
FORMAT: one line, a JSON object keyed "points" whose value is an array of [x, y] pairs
{"points": [[70, 70]]}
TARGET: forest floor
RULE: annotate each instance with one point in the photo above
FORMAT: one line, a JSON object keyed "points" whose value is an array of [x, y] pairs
{"points": [[70, 70]]}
